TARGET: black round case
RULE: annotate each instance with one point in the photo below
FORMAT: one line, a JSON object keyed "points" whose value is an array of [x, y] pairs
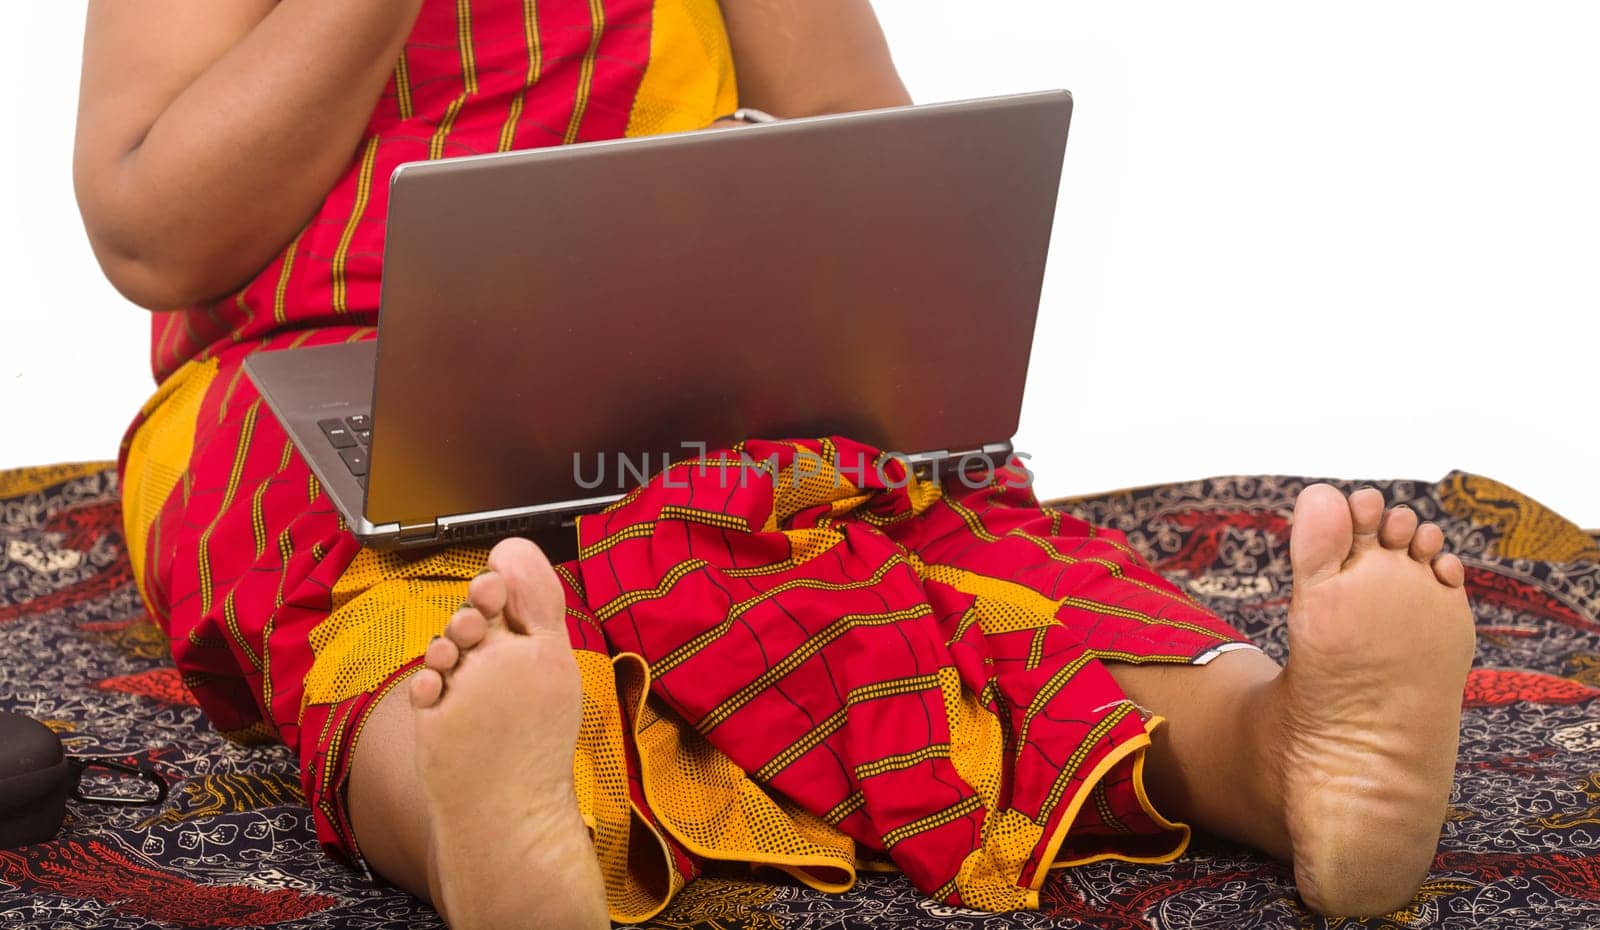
{"points": [[35, 780]]}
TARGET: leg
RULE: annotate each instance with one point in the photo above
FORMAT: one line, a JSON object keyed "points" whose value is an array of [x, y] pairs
{"points": [[386, 802], [462, 791], [1340, 762], [1206, 766]]}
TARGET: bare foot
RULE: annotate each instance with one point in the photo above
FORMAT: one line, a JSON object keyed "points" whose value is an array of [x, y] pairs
{"points": [[497, 707], [1369, 705]]}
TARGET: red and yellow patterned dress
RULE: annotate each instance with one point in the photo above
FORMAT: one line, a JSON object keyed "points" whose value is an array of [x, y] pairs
{"points": [[817, 672]]}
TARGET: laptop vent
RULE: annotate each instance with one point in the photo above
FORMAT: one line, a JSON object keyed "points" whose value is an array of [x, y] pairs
{"points": [[492, 529]]}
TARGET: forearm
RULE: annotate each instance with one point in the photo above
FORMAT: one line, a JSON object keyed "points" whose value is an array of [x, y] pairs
{"points": [[810, 57], [233, 166]]}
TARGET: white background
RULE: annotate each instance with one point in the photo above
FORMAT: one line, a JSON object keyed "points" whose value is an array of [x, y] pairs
{"points": [[1356, 240]]}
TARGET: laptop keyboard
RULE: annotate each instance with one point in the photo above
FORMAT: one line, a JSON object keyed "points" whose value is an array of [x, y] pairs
{"points": [[350, 436]]}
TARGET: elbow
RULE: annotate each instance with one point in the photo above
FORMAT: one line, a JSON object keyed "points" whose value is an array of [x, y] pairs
{"points": [[153, 272], [147, 265], [161, 271], [151, 281], [172, 272]]}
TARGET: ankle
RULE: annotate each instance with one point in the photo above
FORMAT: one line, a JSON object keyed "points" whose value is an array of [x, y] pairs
{"points": [[1263, 765]]}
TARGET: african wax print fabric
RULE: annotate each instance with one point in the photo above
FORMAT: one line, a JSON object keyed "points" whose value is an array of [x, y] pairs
{"points": [[234, 844]]}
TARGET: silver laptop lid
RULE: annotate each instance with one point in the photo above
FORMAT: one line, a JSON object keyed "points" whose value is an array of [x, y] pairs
{"points": [[875, 275]]}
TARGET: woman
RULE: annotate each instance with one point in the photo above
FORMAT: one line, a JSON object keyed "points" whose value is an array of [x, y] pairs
{"points": [[230, 163]]}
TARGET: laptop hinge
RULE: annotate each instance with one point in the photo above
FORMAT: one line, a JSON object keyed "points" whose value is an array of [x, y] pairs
{"points": [[419, 530], [925, 463]]}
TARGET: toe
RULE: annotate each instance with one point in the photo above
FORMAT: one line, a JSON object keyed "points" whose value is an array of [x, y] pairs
{"points": [[1319, 540], [487, 592], [1399, 525], [534, 600], [1366, 512], [426, 686], [442, 655], [1449, 570], [1427, 543], [466, 628]]}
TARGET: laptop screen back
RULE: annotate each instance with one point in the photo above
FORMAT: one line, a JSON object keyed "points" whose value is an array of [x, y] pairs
{"points": [[874, 275]]}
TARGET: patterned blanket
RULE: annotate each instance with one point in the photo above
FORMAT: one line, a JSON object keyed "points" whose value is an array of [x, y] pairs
{"points": [[233, 846]]}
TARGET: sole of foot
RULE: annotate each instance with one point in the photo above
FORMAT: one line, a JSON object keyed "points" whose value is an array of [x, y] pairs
{"points": [[1369, 703], [497, 704]]}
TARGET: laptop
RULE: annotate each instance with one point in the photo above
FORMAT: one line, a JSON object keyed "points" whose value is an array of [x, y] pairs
{"points": [[559, 324]]}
